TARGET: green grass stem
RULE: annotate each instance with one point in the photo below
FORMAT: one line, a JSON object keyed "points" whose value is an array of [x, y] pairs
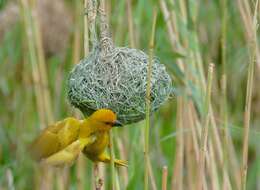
{"points": [[148, 95]]}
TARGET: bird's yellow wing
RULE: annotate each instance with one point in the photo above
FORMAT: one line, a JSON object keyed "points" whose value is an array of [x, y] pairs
{"points": [[67, 155], [55, 138]]}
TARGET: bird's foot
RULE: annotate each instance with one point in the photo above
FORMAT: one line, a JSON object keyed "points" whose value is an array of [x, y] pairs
{"points": [[121, 162]]}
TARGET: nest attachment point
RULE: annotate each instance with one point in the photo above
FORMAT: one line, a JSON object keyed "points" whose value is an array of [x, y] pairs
{"points": [[116, 79]]}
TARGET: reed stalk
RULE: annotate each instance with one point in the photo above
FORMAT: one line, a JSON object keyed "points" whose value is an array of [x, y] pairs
{"points": [[170, 20], [41, 64], [212, 168], [167, 18], [123, 154], [10, 179], [191, 147], [81, 162], [148, 95], [164, 177], [86, 29], [245, 12], [223, 111], [200, 80], [177, 177], [205, 129], [112, 162], [152, 178], [130, 23], [223, 61], [98, 181], [224, 118], [33, 58], [36, 58], [44, 85], [249, 90], [77, 35], [104, 32], [196, 64]]}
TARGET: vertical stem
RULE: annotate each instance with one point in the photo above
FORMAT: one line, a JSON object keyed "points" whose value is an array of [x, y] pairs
{"points": [[112, 160], [36, 57], [10, 179], [148, 94], [130, 23], [105, 38], [81, 163], [164, 177], [223, 60], [98, 181], [223, 111], [204, 133], [123, 154], [177, 177], [104, 28], [224, 118], [86, 35], [41, 64], [33, 58], [76, 37], [212, 168], [223, 33], [250, 80], [152, 178], [191, 146], [92, 13], [172, 35]]}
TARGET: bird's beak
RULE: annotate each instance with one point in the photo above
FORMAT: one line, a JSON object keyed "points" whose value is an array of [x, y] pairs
{"points": [[117, 124]]}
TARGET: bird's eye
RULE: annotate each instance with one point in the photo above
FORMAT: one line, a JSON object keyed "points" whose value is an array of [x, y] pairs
{"points": [[108, 123]]}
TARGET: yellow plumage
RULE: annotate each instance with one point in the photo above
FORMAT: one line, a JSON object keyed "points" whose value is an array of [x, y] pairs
{"points": [[61, 143]]}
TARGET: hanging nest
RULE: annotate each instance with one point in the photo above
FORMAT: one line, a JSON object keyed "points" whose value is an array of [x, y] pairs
{"points": [[116, 78]]}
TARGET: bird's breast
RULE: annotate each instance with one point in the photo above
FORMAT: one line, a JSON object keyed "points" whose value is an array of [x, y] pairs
{"points": [[99, 145]]}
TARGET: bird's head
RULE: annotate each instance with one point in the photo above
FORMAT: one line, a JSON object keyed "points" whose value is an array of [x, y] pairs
{"points": [[105, 119]]}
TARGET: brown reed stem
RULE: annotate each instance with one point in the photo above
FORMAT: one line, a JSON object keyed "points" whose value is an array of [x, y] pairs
{"points": [[42, 64], [33, 59], [92, 13], [130, 23], [164, 177], [249, 90], [212, 168], [10, 179], [152, 178], [123, 155], [98, 180], [167, 18], [76, 37], [104, 28], [86, 35], [191, 143], [223, 111], [81, 162], [205, 129], [36, 57], [177, 177]]}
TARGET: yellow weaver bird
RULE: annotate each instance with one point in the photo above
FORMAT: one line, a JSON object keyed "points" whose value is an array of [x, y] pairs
{"points": [[60, 143]]}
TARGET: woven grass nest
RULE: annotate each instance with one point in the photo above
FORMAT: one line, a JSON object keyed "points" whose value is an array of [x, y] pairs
{"points": [[116, 79]]}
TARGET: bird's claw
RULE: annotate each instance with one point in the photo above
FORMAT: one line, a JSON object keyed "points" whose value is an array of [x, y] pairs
{"points": [[121, 163]]}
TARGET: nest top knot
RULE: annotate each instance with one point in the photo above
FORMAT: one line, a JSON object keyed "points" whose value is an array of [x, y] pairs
{"points": [[117, 80]]}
